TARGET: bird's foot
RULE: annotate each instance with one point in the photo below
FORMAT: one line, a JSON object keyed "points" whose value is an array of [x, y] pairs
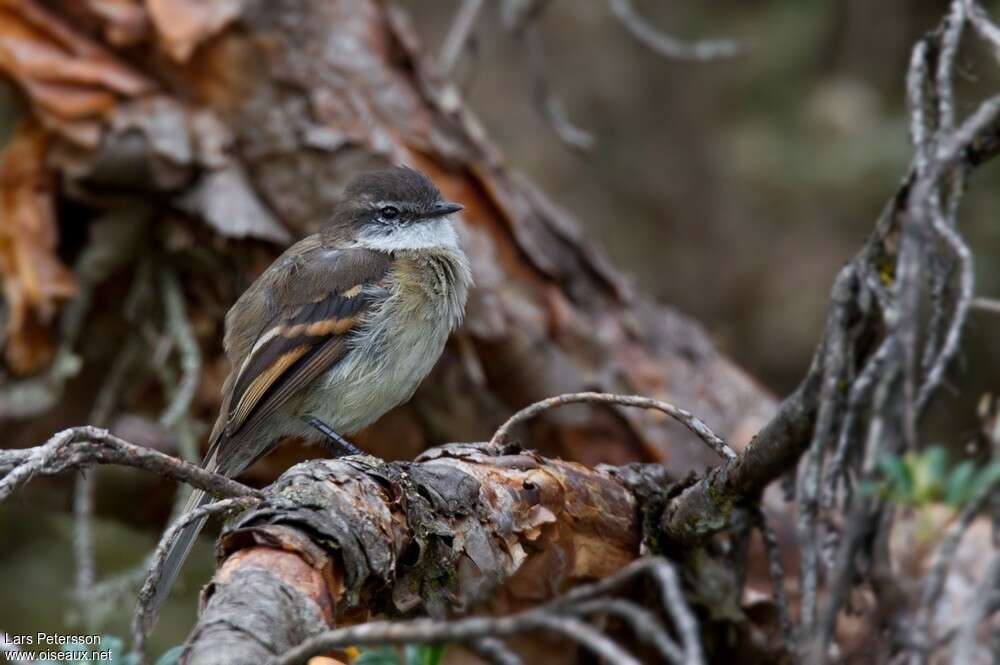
{"points": [[336, 443]]}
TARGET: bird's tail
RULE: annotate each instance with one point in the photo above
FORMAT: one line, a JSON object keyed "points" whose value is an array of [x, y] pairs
{"points": [[179, 550]]}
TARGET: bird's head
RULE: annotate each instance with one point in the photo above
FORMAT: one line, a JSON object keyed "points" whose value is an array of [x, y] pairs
{"points": [[397, 209]]}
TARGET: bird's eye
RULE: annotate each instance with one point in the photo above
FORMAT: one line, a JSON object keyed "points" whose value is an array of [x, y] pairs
{"points": [[388, 213]]}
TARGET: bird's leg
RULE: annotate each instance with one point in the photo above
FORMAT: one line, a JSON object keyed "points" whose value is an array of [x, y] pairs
{"points": [[337, 443]]}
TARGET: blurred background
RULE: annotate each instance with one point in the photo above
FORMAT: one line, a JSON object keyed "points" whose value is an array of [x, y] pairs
{"points": [[733, 190]]}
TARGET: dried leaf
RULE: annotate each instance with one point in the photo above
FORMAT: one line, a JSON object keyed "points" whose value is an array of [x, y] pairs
{"points": [[68, 76], [184, 24], [33, 277]]}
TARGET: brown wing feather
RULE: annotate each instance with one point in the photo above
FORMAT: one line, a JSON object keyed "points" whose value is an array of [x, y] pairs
{"points": [[333, 292]]}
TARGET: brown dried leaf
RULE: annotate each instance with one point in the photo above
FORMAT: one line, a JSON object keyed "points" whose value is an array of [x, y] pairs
{"points": [[68, 76], [33, 277], [184, 24]]}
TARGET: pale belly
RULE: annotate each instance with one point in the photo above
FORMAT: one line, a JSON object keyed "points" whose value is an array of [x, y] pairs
{"points": [[393, 350], [376, 375]]}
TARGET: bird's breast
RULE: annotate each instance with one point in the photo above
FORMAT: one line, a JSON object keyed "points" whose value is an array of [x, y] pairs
{"points": [[396, 345]]}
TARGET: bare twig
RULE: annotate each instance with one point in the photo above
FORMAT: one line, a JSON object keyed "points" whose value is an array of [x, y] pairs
{"points": [[986, 305], [83, 494], [667, 46], [547, 101], [86, 446], [949, 346], [776, 571], [643, 622], [494, 651], [83, 539], [458, 34], [704, 508], [190, 354], [671, 597], [986, 28], [698, 427], [835, 361]]}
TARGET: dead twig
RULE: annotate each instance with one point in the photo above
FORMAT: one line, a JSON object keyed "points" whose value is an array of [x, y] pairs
{"points": [[990, 305], [86, 446], [697, 426], [670, 47], [188, 350], [458, 34]]}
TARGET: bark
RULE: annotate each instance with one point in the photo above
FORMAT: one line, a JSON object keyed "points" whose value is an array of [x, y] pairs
{"points": [[463, 529]]}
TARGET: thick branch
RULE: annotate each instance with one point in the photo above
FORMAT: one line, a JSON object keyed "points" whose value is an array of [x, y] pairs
{"points": [[464, 528]]}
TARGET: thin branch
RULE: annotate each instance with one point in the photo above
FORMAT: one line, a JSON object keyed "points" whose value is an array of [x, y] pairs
{"points": [[776, 571], [953, 337], [547, 101], [190, 354], [990, 305], [428, 631], [693, 423], [86, 446], [640, 620], [83, 493], [458, 34], [983, 25], [671, 597], [494, 651], [835, 359], [666, 45]]}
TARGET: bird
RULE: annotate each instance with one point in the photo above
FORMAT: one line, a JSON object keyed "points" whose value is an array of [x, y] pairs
{"points": [[341, 328]]}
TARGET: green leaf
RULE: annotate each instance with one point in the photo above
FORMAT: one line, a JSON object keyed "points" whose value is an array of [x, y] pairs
{"points": [[932, 471], [898, 477], [424, 654], [984, 479], [960, 484]]}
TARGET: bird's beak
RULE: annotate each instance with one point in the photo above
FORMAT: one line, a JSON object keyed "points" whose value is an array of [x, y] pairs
{"points": [[443, 208]]}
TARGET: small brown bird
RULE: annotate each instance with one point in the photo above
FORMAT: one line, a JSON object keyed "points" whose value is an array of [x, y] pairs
{"points": [[340, 329]]}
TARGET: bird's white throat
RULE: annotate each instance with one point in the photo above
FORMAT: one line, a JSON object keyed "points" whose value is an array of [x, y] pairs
{"points": [[436, 233]]}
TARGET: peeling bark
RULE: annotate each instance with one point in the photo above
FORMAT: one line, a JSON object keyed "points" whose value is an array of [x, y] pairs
{"points": [[463, 529]]}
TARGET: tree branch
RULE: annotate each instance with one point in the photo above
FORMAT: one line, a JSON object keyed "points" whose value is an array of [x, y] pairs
{"points": [[87, 446]]}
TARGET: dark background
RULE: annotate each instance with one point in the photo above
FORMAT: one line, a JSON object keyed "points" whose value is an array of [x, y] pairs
{"points": [[733, 190]]}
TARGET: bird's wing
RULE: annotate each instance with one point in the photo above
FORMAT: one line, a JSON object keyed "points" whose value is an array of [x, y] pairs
{"points": [[317, 305]]}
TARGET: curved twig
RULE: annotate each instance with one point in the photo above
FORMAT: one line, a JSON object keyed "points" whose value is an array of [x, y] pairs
{"points": [[692, 422], [667, 46]]}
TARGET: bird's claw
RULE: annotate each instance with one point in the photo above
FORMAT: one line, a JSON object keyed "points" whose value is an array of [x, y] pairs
{"points": [[338, 444]]}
